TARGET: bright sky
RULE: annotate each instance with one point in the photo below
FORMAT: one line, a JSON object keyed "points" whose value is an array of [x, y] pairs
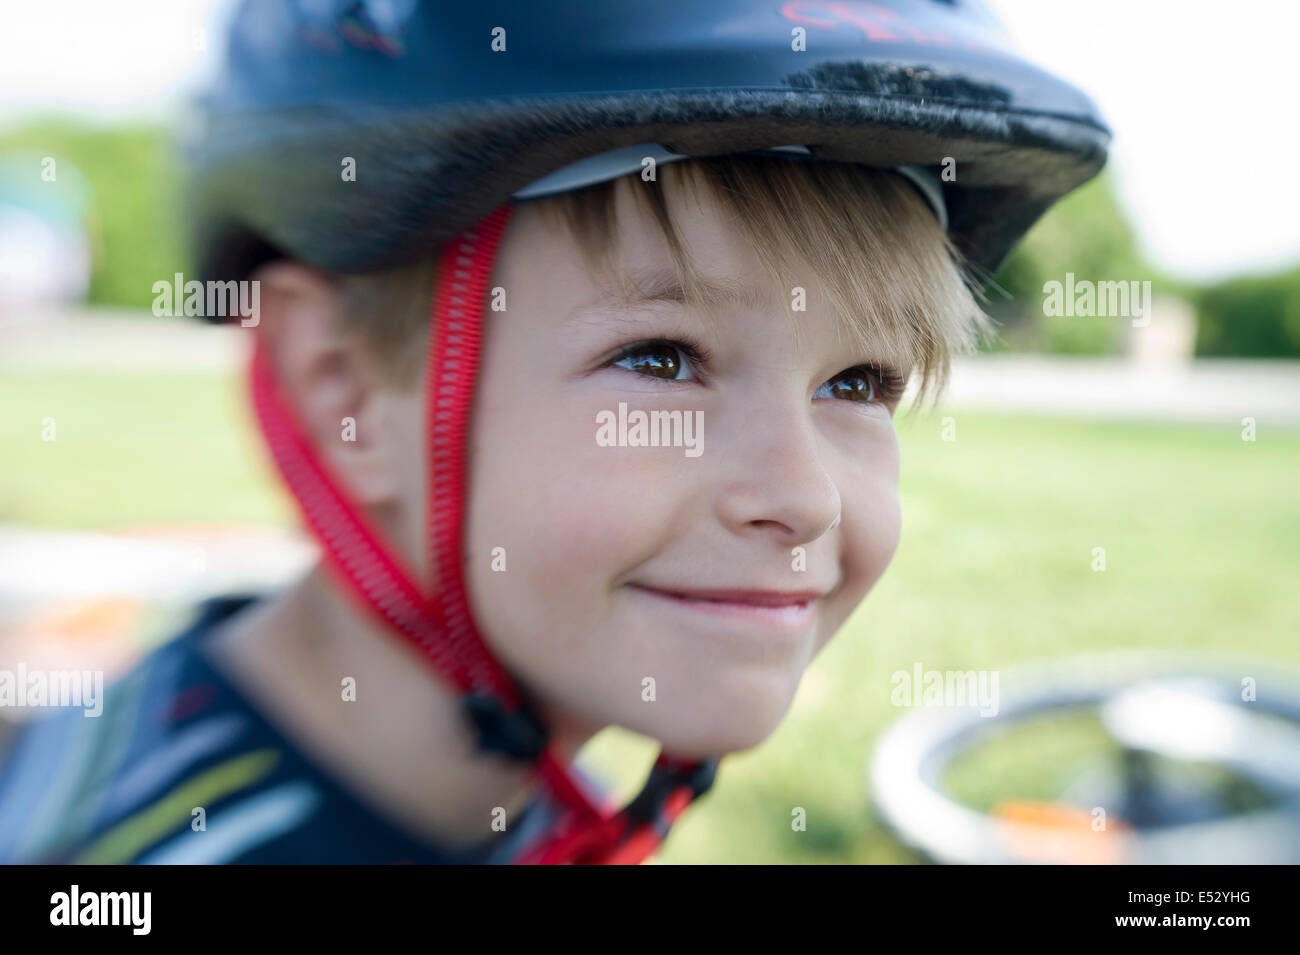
{"points": [[1202, 99]]}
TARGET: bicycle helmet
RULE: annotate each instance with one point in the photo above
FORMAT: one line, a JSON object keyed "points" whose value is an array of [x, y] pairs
{"points": [[452, 112]]}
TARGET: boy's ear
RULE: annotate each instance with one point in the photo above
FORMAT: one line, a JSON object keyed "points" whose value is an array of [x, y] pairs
{"points": [[331, 379]]}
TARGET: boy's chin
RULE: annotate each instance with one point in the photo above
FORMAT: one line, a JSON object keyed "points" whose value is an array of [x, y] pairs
{"points": [[707, 731], [713, 741]]}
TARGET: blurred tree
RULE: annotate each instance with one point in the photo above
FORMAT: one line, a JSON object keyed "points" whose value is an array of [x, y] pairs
{"points": [[139, 236], [1255, 317], [1085, 233]]}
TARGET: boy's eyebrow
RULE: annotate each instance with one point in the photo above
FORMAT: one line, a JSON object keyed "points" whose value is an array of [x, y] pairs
{"points": [[664, 286]]}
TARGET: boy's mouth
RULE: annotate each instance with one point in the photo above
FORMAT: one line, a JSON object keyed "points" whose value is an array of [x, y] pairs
{"points": [[786, 609]]}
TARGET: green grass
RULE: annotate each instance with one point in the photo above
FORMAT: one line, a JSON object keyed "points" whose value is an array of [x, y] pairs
{"points": [[131, 449], [1201, 534]]}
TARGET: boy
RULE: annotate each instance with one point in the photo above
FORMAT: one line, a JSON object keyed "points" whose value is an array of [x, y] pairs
{"points": [[680, 473]]}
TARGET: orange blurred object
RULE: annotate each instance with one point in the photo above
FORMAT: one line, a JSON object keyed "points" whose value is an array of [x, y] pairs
{"points": [[1045, 832]]}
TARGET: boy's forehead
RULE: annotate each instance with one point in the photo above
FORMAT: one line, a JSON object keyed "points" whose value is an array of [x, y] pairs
{"points": [[649, 286], [635, 269]]}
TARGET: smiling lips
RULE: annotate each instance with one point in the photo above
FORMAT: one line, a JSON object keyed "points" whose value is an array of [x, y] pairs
{"points": [[788, 609]]}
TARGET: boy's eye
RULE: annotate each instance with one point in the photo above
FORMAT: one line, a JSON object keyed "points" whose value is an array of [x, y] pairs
{"points": [[669, 361], [855, 384]]}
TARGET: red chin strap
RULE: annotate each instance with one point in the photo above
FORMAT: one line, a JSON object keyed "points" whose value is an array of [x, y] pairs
{"points": [[441, 625]]}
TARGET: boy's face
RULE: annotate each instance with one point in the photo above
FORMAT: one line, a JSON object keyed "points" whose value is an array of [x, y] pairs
{"points": [[789, 486]]}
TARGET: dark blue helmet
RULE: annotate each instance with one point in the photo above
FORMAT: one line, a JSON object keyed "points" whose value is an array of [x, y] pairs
{"points": [[450, 109]]}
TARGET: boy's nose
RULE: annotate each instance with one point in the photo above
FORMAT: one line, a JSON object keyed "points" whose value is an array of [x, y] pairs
{"points": [[777, 484]]}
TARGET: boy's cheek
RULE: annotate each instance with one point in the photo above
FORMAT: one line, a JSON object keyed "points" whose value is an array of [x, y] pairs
{"points": [[868, 544], [584, 527], [875, 539], [565, 526]]}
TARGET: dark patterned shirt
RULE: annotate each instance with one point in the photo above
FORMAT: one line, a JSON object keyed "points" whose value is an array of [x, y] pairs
{"points": [[176, 734]]}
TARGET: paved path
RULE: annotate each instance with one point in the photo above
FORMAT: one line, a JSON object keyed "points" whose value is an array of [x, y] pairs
{"points": [[1211, 390], [118, 340]]}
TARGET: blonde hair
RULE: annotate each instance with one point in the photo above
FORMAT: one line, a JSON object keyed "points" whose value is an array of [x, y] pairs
{"points": [[890, 273]]}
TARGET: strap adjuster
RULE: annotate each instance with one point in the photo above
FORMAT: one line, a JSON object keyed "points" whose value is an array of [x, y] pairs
{"points": [[667, 778], [518, 733]]}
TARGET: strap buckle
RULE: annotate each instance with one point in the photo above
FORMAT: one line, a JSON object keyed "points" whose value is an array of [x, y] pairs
{"points": [[667, 779], [518, 733]]}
